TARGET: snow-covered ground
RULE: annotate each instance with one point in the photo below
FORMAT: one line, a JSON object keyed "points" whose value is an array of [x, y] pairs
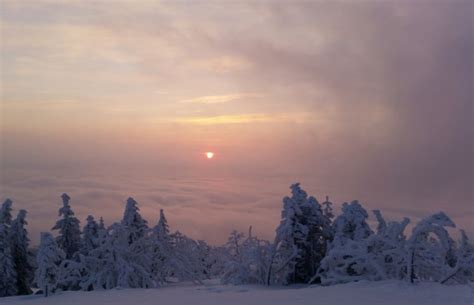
{"points": [[362, 293]]}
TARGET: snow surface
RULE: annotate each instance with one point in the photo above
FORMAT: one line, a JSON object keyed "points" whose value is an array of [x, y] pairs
{"points": [[361, 293]]}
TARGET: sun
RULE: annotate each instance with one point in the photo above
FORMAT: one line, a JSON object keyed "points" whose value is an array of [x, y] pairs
{"points": [[209, 154]]}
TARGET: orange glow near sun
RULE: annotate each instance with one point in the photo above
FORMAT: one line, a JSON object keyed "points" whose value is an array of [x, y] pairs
{"points": [[209, 154]]}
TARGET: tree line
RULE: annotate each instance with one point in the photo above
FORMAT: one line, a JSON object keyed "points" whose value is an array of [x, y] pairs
{"points": [[311, 246]]}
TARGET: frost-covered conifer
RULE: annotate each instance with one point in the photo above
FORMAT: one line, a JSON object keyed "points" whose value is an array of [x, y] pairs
{"points": [[463, 271], [162, 230], [135, 226], [351, 224], [176, 255], [184, 264], [301, 238], [327, 208], [347, 258], [101, 224], [288, 234], [162, 250], [8, 274], [247, 260], [90, 235], [6, 212], [123, 255], [19, 242], [427, 248], [69, 238], [116, 263], [386, 249], [48, 259]]}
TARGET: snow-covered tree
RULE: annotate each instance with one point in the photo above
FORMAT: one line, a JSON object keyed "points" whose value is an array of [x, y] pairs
{"points": [[102, 224], [204, 251], [217, 259], [185, 264], [19, 242], [427, 248], [351, 224], [90, 235], [69, 238], [176, 255], [247, 260], [347, 259], [319, 235], [122, 257], [116, 263], [327, 208], [301, 238], [49, 258], [162, 230], [286, 251], [6, 212], [386, 249], [8, 274], [161, 250], [72, 272], [463, 271], [133, 223]]}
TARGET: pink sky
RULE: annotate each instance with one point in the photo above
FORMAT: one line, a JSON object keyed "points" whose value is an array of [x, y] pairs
{"points": [[368, 101]]}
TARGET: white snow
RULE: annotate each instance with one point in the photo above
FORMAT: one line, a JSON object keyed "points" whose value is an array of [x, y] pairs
{"points": [[360, 293]]}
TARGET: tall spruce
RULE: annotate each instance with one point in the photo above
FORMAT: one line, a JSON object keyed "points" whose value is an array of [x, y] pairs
{"points": [[69, 238], [6, 212], [8, 275], [135, 226], [301, 239], [90, 236], [48, 259], [19, 242]]}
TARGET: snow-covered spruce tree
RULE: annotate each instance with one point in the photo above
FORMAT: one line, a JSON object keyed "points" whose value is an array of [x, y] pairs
{"points": [[204, 251], [286, 251], [327, 208], [6, 212], [186, 264], [427, 248], [301, 239], [351, 224], [49, 258], [463, 271], [162, 229], [217, 259], [8, 274], [319, 235], [90, 236], [135, 226], [386, 249], [347, 258], [123, 257], [101, 226], [74, 271], [19, 243], [234, 271], [248, 260], [176, 255], [69, 238], [161, 250]]}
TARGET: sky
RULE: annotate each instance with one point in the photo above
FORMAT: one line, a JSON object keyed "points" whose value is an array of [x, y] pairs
{"points": [[367, 100]]}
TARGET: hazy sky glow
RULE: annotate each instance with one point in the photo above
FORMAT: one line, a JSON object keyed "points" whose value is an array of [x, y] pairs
{"points": [[370, 101]]}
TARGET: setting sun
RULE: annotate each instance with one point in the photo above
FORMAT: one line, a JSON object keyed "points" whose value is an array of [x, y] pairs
{"points": [[209, 155]]}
